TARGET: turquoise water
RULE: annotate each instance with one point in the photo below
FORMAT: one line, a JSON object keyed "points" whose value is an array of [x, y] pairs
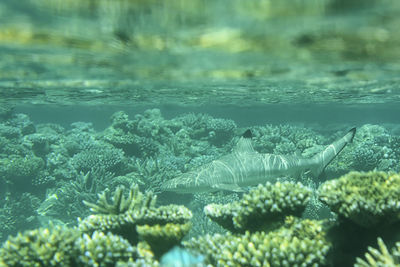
{"points": [[100, 94]]}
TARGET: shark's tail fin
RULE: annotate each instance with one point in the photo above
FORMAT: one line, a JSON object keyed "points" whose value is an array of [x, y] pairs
{"points": [[323, 158]]}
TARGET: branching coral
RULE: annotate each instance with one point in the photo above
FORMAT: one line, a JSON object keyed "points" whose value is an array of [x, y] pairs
{"points": [[20, 171], [66, 202], [367, 199], [380, 257], [135, 201], [124, 214], [101, 249], [40, 247], [297, 243], [261, 207], [104, 157], [151, 173], [62, 246], [162, 238]]}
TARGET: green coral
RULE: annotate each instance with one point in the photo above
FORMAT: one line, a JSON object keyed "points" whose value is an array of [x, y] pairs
{"points": [[124, 215], [162, 238], [18, 169], [297, 243], [135, 201], [380, 257], [367, 199], [144, 257], [101, 249], [62, 246], [40, 247], [261, 207]]}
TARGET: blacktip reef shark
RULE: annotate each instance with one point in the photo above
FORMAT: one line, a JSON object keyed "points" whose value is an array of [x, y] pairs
{"points": [[246, 167]]}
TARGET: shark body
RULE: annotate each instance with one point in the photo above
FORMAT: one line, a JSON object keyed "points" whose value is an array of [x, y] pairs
{"points": [[246, 167]]}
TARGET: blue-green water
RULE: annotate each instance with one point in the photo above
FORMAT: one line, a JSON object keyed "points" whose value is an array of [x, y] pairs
{"points": [[95, 95]]}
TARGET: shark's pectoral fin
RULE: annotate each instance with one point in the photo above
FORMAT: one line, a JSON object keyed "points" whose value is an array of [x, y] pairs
{"points": [[229, 187]]}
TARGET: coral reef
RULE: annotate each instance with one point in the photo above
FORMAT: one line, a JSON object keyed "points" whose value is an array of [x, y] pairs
{"points": [[104, 157], [262, 207], [124, 214], [284, 139], [297, 242], [101, 249], [65, 202], [203, 126], [135, 201], [367, 199], [62, 246], [162, 238], [373, 147], [40, 247], [18, 212], [380, 257], [160, 228], [48, 171], [20, 171]]}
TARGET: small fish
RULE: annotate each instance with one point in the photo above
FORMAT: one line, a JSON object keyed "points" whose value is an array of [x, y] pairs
{"points": [[180, 257], [246, 167]]}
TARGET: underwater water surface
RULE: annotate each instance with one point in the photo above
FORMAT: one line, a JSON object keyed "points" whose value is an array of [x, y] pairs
{"points": [[199, 133]]}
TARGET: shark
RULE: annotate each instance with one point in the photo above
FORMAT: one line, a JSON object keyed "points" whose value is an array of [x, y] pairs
{"points": [[245, 167]]}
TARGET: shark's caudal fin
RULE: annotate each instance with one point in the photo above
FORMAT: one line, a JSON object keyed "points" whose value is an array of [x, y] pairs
{"points": [[323, 158]]}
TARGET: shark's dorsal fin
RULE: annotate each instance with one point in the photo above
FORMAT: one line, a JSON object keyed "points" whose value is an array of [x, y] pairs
{"points": [[244, 144], [247, 134]]}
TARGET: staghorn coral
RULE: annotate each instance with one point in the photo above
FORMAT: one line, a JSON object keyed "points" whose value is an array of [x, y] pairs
{"points": [[123, 215], [261, 207], [367, 199], [162, 238], [136, 200], [297, 242], [40, 247], [380, 257], [66, 201]]}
